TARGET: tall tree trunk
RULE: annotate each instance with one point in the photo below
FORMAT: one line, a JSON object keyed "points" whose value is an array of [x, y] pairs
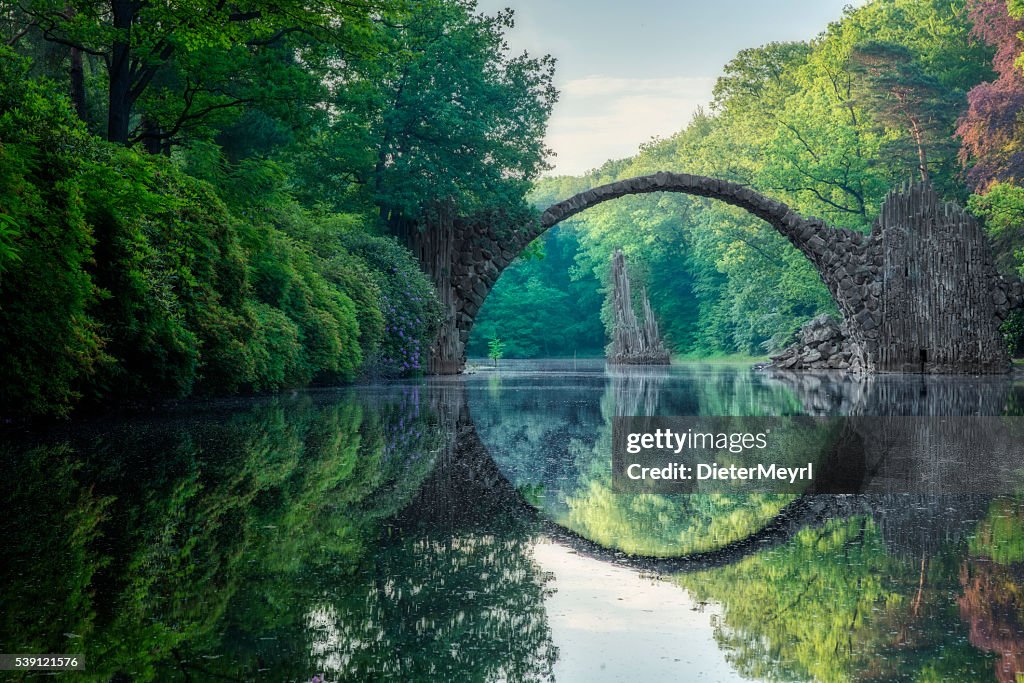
{"points": [[922, 154], [151, 138], [77, 75], [119, 71], [78, 83]]}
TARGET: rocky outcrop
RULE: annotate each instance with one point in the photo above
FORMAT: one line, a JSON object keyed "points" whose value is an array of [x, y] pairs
{"points": [[822, 344], [633, 343]]}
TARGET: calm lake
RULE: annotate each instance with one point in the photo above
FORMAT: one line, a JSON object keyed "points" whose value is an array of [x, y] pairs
{"points": [[465, 529]]}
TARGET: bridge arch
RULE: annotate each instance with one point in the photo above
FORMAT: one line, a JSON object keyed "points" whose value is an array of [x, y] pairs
{"points": [[891, 285]]}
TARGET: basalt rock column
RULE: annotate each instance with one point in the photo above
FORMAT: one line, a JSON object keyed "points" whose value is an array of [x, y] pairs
{"points": [[464, 257], [632, 343], [919, 294], [941, 299]]}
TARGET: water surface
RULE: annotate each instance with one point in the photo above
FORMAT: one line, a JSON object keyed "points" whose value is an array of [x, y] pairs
{"points": [[465, 529]]}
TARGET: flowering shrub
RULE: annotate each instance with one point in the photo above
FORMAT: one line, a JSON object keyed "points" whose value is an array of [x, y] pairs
{"points": [[408, 302]]}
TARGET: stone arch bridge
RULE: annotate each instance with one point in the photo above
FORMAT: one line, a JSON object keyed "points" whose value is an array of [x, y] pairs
{"points": [[919, 293]]}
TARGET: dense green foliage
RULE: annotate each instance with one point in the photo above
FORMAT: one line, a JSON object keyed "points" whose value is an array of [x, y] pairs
{"points": [[199, 200], [132, 278], [48, 340], [829, 126], [201, 203], [543, 307]]}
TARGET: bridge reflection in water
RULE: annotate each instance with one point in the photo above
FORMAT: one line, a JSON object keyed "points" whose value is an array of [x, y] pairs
{"points": [[553, 455]]}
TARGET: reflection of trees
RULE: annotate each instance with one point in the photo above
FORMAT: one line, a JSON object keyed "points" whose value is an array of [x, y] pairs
{"points": [[48, 526], [554, 447], [186, 544], [1000, 535], [660, 525], [834, 604], [355, 535], [666, 526], [273, 542], [467, 607], [992, 606], [865, 595], [636, 389], [453, 593], [992, 577], [732, 391], [526, 432]]}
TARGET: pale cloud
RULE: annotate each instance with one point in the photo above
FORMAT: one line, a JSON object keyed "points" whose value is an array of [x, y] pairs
{"points": [[655, 61], [600, 118], [604, 86]]}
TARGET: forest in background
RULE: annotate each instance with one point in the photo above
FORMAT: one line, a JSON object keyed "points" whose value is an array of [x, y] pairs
{"points": [[895, 90], [200, 197]]}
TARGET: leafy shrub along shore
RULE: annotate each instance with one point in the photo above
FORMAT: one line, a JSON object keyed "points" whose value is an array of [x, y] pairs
{"points": [[124, 277]]}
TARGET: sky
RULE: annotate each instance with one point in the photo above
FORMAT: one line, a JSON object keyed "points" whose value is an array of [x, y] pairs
{"points": [[632, 70]]}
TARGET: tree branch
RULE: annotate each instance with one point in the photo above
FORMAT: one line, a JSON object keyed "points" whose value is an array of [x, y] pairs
{"points": [[269, 40], [13, 40]]}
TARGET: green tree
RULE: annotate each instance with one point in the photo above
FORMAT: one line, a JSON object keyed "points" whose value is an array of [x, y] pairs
{"points": [[183, 64], [828, 126], [899, 94], [495, 349], [443, 115], [535, 296], [51, 345], [834, 604]]}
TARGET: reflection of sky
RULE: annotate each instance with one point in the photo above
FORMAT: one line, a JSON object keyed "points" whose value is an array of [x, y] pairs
{"points": [[629, 71], [612, 624]]}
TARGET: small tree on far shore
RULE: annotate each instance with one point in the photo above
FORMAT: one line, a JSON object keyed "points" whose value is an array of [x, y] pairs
{"points": [[495, 349]]}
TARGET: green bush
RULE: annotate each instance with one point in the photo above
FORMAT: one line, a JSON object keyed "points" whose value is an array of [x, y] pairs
{"points": [[50, 345], [164, 249], [197, 298], [354, 277], [408, 302], [284, 275], [1013, 333], [122, 277], [396, 305]]}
